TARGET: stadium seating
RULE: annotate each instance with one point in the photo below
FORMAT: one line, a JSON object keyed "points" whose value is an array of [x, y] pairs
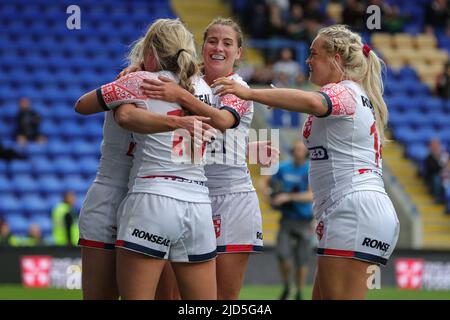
{"points": [[53, 66]]}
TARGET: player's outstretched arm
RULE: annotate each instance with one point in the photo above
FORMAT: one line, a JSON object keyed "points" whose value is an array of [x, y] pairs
{"points": [[88, 104], [289, 99], [168, 90]]}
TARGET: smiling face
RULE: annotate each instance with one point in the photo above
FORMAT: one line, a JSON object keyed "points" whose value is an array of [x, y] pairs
{"points": [[322, 70], [220, 51]]}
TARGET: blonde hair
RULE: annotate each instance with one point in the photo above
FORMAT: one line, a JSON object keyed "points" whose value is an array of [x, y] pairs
{"points": [[172, 45], [224, 22], [356, 66]]}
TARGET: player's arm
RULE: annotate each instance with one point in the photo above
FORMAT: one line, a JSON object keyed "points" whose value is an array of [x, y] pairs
{"points": [[111, 95], [168, 90], [140, 120], [315, 103], [89, 104]]}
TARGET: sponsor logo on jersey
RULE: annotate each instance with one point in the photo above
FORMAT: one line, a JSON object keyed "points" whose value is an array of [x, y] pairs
{"points": [[318, 153], [204, 98], [376, 244], [150, 237], [366, 103]]}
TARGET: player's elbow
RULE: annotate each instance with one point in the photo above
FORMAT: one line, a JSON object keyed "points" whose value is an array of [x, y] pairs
{"points": [[224, 121], [80, 107], [123, 117], [316, 106]]}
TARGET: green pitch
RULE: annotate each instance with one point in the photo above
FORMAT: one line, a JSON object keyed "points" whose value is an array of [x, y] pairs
{"points": [[17, 292]]}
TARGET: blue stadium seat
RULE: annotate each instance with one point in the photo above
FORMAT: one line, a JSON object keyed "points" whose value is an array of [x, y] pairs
{"points": [[83, 148], [41, 165], [444, 135], [418, 152], [283, 118], [93, 130], [75, 183], [434, 105], [35, 149], [20, 166], [71, 129], [58, 147], [88, 166], [407, 73], [18, 224], [35, 204], [10, 204], [49, 128], [24, 183], [5, 184], [66, 165], [50, 184], [405, 134]]}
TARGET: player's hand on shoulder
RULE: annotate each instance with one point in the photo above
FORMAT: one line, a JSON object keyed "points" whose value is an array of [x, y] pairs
{"points": [[162, 88], [223, 86]]}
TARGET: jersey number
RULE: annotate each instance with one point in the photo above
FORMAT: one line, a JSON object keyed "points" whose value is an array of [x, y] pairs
{"points": [[178, 139]]}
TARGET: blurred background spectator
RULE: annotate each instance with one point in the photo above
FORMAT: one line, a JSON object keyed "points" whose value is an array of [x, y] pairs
{"points": [[443, 83], [65, 224], [290, 193], [6, 237], [286, 71], [28, 122], [436, 160], [437, 16]]}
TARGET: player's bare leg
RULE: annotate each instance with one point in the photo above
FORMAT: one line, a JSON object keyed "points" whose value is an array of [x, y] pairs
{"points": [[167, 286], [316, 294], [231, 269], [342, 278], [98, 276], [196, 281], [137, 275]]}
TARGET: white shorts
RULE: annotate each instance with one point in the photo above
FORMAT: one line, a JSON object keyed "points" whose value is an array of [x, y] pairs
{"points": [[166, 228], [361, 225], [237, 221], [98, 222]]}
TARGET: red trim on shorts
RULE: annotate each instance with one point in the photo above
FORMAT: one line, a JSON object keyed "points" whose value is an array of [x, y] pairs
{"points": [[95, 244], [120, 243], [336, 252], [239, 248]]}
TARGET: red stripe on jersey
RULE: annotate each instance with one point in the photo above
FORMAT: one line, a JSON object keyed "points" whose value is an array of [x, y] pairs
{"points": [[177, 113], [342, 100], [340, 253], [239, 247]]}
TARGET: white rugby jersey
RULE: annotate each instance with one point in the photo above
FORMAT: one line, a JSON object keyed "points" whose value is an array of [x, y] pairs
{"points": [[116, 158], [226, 167], [344, 146], [162, 162]]}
